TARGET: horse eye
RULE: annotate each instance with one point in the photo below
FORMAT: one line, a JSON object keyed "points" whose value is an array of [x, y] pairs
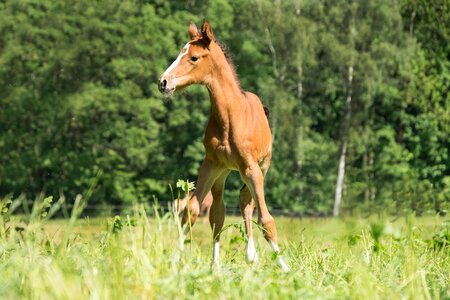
{"points": [[194, 58]]}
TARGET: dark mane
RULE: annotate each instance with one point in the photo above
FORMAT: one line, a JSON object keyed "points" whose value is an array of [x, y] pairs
{"points": [[229, 57], [266, 111]]}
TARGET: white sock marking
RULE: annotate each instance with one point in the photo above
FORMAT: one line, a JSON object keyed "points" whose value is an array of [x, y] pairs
{"points": [[274, 246], [252, 256], [215, 261], [280, 259], [216, 249]]}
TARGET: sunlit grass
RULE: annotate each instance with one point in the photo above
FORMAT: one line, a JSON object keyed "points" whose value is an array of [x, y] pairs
{"points": [[138, 256]]}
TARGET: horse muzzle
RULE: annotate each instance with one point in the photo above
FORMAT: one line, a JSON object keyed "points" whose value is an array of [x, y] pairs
{"points": [[165, 87]]}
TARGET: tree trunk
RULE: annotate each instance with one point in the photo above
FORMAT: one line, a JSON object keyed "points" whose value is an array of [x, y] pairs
{"points": [[373, 189], [340, 180], [300, 157], [346, 125]]}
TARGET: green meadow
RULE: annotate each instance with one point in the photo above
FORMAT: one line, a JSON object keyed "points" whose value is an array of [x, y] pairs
{"points": [[138, 256]]}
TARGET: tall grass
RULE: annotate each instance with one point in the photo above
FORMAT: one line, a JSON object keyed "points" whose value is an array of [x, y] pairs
{"points": [[137, 256]]}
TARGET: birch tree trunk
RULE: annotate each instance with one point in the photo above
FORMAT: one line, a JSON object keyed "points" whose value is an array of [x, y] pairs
{"points": [[347, 119], [343, 150], [340, 180]]}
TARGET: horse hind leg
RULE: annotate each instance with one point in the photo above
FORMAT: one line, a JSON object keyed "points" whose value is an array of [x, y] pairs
{"points": [[247, 206], [254, 178]]}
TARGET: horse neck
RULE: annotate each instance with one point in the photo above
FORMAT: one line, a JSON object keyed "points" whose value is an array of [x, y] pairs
{"points": [[224, 92]]}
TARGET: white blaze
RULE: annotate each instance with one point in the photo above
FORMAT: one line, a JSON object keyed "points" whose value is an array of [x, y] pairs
{"points": [[177, 61]]}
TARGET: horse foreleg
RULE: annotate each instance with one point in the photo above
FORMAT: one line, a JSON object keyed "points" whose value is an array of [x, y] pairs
{"points": [[217, 215], [206, 178]]}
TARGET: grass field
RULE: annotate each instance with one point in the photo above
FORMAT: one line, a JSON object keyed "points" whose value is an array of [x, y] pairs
{"points": [[138, 257]]}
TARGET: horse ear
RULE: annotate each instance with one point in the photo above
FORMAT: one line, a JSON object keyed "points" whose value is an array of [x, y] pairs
{"points": [[207, 34], [193, 31]]}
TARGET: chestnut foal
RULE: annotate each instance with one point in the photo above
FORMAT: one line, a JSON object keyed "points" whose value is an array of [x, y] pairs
{"points": [[237, 137]]}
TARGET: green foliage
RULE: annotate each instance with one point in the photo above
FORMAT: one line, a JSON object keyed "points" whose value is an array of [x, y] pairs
{"points": [[376, 231], [185, 186], [115, 225], [78, 95], [441, 239]]}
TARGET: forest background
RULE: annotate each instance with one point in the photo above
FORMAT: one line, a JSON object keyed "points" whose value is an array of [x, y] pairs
{"points": [[358, 93]]}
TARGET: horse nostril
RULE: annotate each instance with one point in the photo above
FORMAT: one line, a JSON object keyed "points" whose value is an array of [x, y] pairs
{"points": [[162, 85]]}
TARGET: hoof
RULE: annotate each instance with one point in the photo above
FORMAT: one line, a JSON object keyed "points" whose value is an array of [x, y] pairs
{"points": [[282, 264], [252, 257]]}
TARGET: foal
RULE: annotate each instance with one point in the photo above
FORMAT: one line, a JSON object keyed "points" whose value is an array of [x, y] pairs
{"points": [[237, 137]]}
